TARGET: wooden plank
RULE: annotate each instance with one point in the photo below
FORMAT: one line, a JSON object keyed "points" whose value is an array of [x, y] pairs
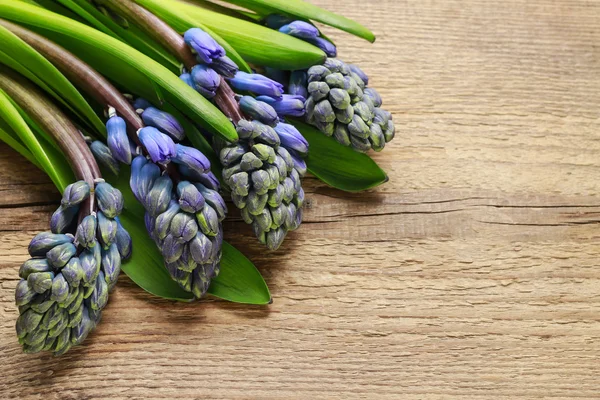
{"points": [[472, 274]]}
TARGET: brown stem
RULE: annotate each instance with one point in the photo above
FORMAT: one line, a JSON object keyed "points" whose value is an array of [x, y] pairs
{"points": [[160, 31], [82, 74], [57, 125], [225, 100]]}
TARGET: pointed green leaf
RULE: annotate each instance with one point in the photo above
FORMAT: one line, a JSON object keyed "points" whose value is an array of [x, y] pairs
{"points": [[46, 156], [337, 165], [26, 60], [121, 63], [255, 43], [303, 9], [239, 281]]}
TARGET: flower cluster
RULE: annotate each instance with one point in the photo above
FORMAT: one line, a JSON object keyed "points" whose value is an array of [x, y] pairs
{"points": [[264, 168], [183, 216], [65, 285]]}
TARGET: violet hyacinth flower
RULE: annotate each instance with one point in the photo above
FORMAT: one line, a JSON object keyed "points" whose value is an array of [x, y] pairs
{"points": [[325, 45], [160, 147], [207, 48], [225, 66], [288, 104], [291, 138], [259, 110], [117, 139], [206, 80], [164, 122], [300, 29], [257, 83], [191, 158]]}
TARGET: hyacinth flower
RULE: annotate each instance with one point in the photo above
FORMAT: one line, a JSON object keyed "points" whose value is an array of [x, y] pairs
{"points": [[183, 217], [263, 174], [65, 284], [338, 100]]}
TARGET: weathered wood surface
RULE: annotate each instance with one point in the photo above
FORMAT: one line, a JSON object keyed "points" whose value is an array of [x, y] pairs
{"points": [[472, 274]]}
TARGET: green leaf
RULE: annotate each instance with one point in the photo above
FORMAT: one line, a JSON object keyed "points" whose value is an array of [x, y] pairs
{"points": [[132, 35], [8, 136], [121, 63], [26, 60], [255, 43], [302, 9], [50, 160], [337, 165], [239, 281]]}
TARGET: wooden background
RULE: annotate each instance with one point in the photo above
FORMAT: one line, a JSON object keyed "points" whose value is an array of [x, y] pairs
{"points": [[472, 274]]}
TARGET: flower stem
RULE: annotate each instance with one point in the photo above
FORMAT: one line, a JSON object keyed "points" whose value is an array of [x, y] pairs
{"points": [[82, 74], [157, 28]]}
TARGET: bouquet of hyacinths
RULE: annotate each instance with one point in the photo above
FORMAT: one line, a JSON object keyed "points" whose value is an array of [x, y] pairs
{"points": [[182, 105]]}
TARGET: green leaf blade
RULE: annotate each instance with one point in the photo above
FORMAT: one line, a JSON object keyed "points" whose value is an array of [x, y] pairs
{"points": [[303, 9], [337, 165], [255, 43]]}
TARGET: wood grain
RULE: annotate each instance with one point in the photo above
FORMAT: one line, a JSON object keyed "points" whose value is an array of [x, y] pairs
{"points": [[472, 274]]}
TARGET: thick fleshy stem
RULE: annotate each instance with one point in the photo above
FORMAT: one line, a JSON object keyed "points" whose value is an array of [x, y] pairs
{"points": [[161, 31], [79, 72]]}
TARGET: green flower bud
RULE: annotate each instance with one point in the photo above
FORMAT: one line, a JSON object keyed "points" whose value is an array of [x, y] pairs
{"points": [[250, 162], [339, 98]]}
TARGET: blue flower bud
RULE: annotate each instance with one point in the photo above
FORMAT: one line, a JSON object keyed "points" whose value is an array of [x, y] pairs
{"points": [[257, 83], [28, 321], [73, 271], [325, 45], [231, 155], [191, 158], [207, 48], [287, 105], [360, 73], [150, 224], [275, 238], [172, 249], [46, 241], [141, 104], [324, 112], [299, 163], [82, 330], [163, 221], [107, 230], [124, 242], [23, 293], [110, 200], [259, 110], [291, 138], [318, 90], [187, 78], [40, 281], [239, 183], [335, 65], [209, 180], [374, 96], [298, 84], [300, 29], [160, 147], [111, 264], [201, 248], [143, 176], [214, 199], [75, 194], [86, 232], [62, 219], [34, 265], [317, 73], [103, 155], [201, 282], [159, 197], [208, 221], [60, 289], [225, 67], [89, 266], [266, 134], [190, 199], [59, 256], [206, 80], [118, 141], [99, 296], [276, 21], [341, 134], [164, 122], [183, 227]]}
